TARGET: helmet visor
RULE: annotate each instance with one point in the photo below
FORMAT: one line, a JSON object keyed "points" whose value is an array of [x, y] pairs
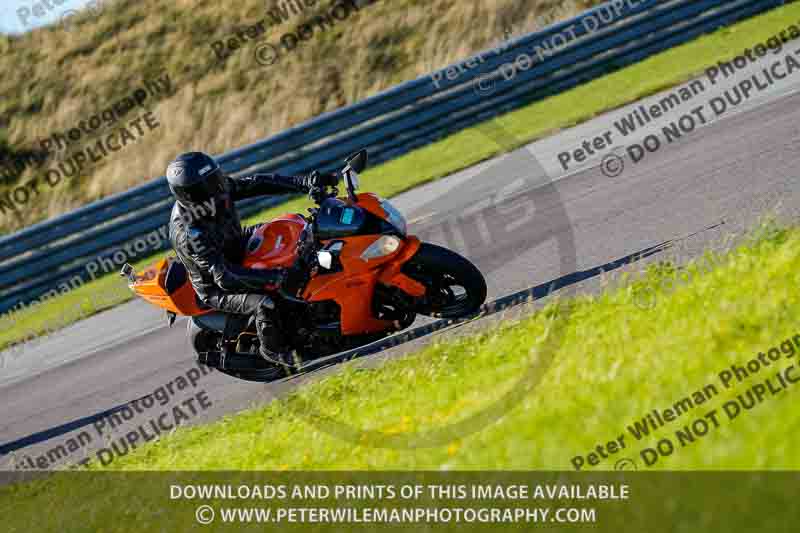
{"points": [[212, 186]]}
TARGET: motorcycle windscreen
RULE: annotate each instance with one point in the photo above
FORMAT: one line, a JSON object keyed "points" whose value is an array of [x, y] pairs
{"points": [[339, 219]]}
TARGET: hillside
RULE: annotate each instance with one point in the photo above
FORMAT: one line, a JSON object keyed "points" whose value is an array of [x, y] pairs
{"points": [[202, 93]]}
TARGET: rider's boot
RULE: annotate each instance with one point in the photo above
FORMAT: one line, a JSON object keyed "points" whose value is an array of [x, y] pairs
{"points": [[272, 347]]}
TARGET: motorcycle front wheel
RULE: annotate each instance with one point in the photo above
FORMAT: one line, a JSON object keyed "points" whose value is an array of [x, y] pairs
{"points": [[455, 287]]}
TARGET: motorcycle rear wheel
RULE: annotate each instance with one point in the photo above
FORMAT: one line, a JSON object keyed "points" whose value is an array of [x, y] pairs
{"points": [[455, 287]]}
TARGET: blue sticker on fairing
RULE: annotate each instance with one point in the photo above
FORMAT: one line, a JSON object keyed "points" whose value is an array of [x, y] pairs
{"points": [[347, 215]]}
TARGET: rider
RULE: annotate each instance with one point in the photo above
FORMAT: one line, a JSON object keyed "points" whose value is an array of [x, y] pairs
{"points": [[207, 236]]}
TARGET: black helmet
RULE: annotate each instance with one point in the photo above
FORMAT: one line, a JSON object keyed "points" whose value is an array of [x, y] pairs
{"points": [[195, 178]]}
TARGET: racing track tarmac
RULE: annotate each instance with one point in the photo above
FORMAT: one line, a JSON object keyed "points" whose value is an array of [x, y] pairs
{"points": [[722, 177]]}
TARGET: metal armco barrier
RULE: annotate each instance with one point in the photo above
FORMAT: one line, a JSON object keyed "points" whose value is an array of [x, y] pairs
{"points": [[41, 257]]}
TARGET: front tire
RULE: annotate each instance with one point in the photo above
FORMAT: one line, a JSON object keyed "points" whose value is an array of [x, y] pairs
{"points": [[455, 287]]}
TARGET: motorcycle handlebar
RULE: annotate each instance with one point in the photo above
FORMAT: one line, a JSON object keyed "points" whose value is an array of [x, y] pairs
{"points": [[319, 193]]}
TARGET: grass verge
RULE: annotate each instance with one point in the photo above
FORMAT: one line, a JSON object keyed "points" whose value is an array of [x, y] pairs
{"points": [[617, 363], [464, 149]]}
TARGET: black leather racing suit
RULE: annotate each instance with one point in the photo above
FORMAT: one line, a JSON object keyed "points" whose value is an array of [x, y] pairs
{"points": [[210, 241]]}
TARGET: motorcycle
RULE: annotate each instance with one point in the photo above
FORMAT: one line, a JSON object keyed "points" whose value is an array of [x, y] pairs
{"points": [[357, 278]]}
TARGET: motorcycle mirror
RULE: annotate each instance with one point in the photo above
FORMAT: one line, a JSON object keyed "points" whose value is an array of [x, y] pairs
{"points": [[357, 161], [351, 183], [325, 259]]}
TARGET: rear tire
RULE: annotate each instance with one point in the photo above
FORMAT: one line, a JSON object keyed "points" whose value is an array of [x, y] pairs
{"points": [[455, 286], [263, 375]]}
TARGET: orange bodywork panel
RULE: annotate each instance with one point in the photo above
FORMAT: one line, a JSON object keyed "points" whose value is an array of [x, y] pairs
{"points": [[354, 287], [151, 284]]}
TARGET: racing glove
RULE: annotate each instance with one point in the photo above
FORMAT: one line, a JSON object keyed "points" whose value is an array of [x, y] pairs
{"points": [[317, 179]]}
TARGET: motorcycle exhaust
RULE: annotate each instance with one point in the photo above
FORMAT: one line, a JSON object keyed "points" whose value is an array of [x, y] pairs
{"points": [[232, 361], [128, 272]]}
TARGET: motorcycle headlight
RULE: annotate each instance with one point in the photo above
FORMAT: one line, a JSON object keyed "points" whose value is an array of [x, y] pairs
{"points": [[385, 245], [396, 219]]}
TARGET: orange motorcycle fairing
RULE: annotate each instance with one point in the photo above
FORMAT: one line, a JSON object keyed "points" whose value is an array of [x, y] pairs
{"points": [[354, 286], [391, 275], [166, 284], [274, 245]]}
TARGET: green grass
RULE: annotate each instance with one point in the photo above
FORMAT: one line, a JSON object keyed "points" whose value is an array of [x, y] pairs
{"points": [[471, 146], [615, 363]]}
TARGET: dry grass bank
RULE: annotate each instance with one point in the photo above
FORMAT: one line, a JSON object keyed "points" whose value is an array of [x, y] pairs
{"points": [[55, 77]]}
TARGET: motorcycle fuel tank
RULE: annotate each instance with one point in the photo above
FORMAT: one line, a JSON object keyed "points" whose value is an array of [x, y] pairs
{"points": [[274, 245]]}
